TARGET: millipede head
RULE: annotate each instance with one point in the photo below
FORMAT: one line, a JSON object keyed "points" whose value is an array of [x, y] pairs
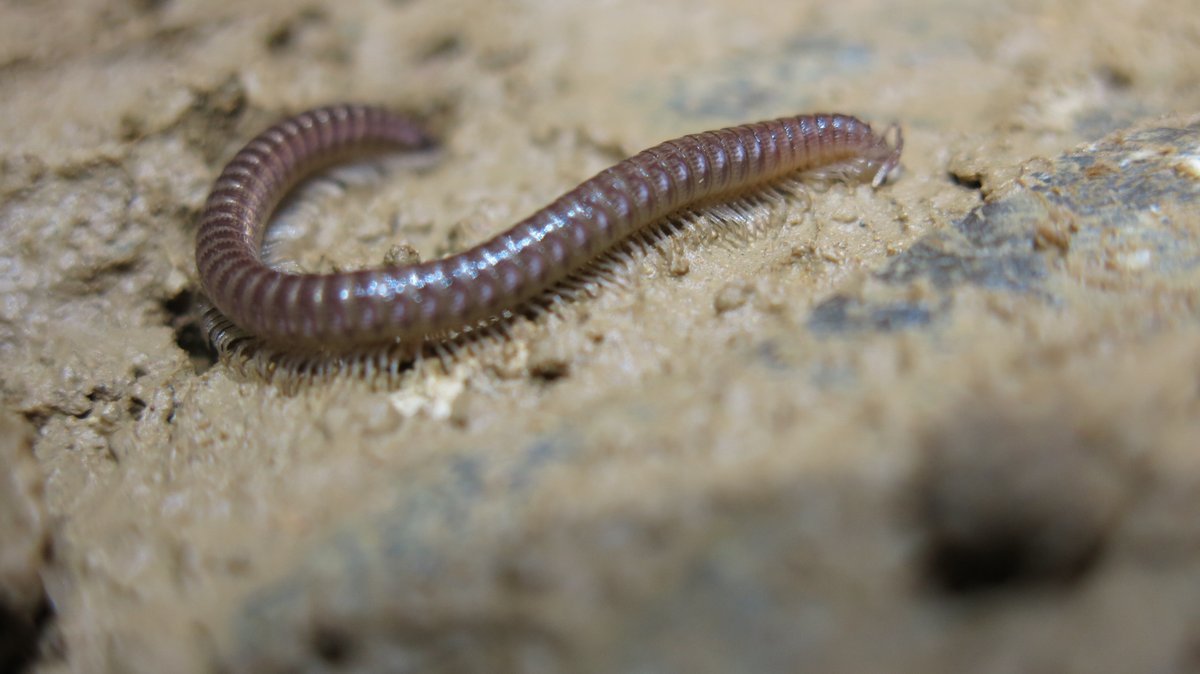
{"points": [[893, 140]]}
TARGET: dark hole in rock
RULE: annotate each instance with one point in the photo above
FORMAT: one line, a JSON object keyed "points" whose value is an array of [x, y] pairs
{"points": [[332, 645], [1006, 501], [20, 634], [183, 315]]}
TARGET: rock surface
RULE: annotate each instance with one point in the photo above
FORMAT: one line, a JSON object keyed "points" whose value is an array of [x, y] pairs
{"points": [[949, 425]]}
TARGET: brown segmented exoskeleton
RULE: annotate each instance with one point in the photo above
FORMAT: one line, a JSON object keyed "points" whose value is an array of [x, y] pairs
{"points": [[413, 302]]}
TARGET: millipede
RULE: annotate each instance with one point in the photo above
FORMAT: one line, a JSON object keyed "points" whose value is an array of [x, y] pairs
{"points": [[412, 303]]}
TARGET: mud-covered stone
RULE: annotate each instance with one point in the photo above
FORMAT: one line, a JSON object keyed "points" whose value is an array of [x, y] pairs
{"points": [[1134, 190]]}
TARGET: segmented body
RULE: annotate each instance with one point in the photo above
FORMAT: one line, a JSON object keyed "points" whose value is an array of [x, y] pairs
{"points": [[411, 302]]}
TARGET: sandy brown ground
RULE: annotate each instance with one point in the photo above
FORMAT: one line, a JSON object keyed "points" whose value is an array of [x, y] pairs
{"points": [[903, 431]]}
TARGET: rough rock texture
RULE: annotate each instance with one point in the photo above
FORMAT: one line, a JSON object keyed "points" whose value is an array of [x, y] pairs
{"points": [[25, 537], [950, 425]]}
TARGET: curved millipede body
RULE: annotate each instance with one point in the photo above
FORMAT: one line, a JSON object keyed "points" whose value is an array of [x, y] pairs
{"points": [[408, 303]]}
